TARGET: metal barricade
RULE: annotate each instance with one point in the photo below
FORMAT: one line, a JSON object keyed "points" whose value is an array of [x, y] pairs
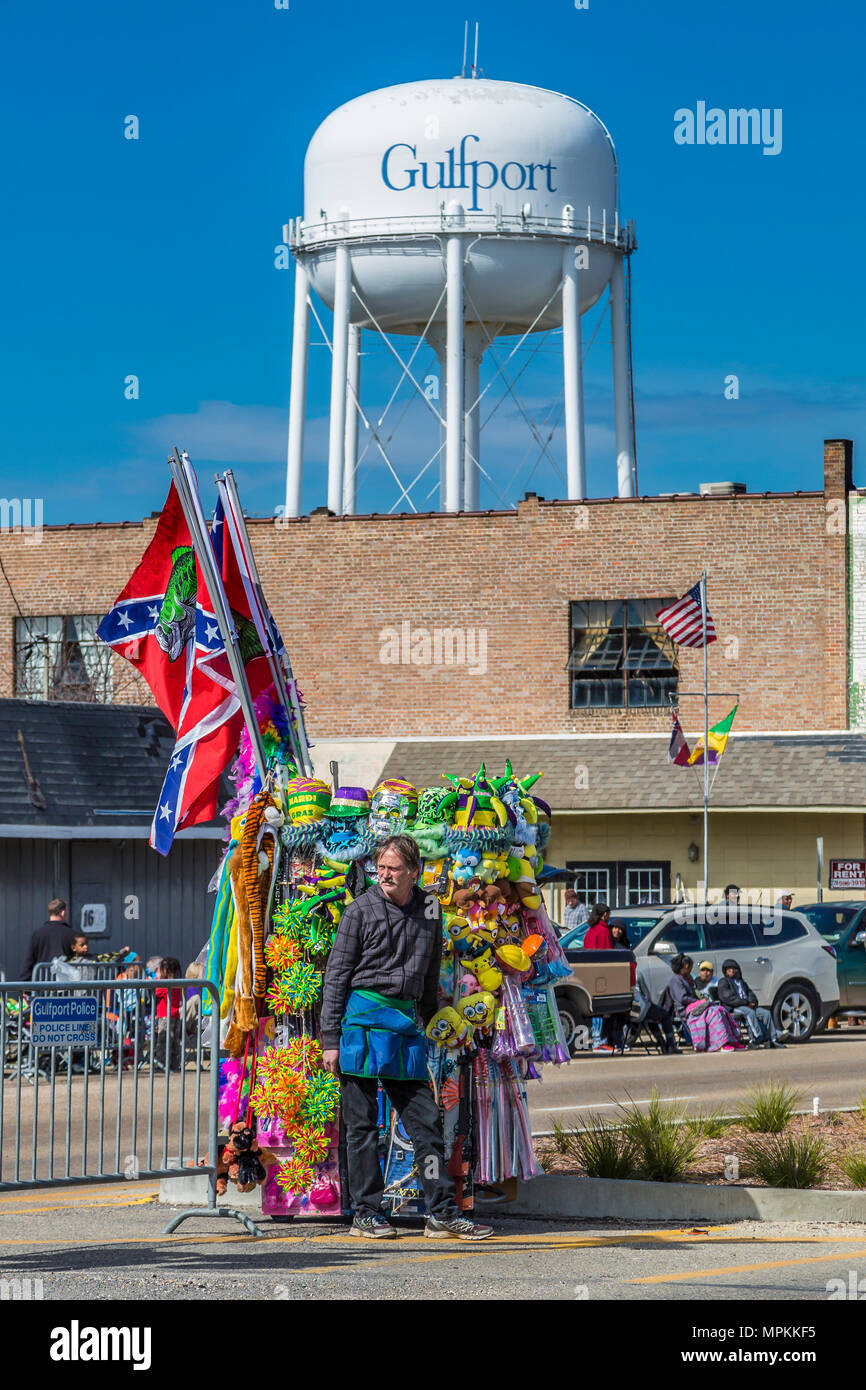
{"points": [[119, 1087]]}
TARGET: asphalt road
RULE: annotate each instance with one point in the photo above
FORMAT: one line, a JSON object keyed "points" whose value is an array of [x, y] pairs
{"points": [[832, 1067], [107, 1243]]}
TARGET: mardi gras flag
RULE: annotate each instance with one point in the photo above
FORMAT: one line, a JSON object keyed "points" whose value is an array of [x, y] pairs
{"points": [[718, 738]]}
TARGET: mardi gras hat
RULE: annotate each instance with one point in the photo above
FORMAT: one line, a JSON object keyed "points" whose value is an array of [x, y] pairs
{"points": [[396, 786], [350, 801], [307, 799]]}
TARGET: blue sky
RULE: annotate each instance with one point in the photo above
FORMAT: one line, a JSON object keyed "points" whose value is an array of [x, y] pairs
{"points": [[156, 257]]}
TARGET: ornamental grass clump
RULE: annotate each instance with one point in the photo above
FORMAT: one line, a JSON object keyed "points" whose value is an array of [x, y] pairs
{"points": [[603, 1152], [787, 1160], [707, 1124], [664, 1147], [854, 1168], [767, 1109]]}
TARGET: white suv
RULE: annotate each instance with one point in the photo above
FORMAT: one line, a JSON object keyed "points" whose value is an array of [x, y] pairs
{"points": [[783, 958]]}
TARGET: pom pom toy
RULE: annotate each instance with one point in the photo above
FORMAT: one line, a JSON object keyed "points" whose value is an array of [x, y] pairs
{"points": [[304, 1055], [281, 951], [279, 1091], [321, 1098]]}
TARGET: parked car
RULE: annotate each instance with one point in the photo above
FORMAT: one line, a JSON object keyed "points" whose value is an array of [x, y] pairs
{"points": [[843, 926], [601, 983], [783, 957], [638, 921]]}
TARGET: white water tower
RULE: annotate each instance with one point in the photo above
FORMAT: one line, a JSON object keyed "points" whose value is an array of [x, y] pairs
{"points": [[457, 211]]}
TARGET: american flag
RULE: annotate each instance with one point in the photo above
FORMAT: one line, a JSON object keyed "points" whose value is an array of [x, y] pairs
{"points": [[683, 621]]}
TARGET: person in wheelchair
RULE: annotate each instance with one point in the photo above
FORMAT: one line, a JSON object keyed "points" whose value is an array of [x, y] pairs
{"points": [[734, 993]]}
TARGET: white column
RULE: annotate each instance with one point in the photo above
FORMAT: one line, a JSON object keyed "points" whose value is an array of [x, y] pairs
{"points": [[572, 369], [353, 395], [475, 341], [454, 363], [298, 392], [621, 384], [339, 365], [436, 337]]}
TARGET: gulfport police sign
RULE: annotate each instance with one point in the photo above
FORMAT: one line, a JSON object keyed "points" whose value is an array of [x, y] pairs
{"points": [[64, 1022]]}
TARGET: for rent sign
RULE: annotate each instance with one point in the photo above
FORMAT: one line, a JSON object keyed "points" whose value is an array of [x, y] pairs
{"points": [[848, 874], [64, 1022]]}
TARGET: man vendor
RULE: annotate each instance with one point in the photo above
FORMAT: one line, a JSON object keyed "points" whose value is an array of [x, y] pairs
{"points": [[380, 985]]}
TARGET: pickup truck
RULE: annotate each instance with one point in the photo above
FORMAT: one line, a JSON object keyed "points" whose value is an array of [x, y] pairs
{"points": [[601, 983]]}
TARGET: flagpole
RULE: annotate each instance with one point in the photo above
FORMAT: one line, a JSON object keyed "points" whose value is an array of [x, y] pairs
{"points": [[261, 614], [706, 738], [190, 500]]}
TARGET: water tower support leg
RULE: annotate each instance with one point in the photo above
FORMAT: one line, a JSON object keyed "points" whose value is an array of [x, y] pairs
{"points": [[454, 374], [572, 367], [474, 345], [339, 366], [353, 396], [298, 393], [621, 384]]}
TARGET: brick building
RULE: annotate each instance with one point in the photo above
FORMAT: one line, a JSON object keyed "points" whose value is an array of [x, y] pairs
{"points": [[426, 642]]}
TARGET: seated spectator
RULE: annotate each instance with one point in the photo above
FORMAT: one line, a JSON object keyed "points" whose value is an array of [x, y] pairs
{"points": [[192, 1007], [679, 991], [708, 1027], [80, 950], [735, 994], [707, 981], [657, 1019], [167, 1050]]}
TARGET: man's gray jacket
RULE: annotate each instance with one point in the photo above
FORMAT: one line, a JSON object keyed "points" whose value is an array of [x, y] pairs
{"points": [[383, 948]]}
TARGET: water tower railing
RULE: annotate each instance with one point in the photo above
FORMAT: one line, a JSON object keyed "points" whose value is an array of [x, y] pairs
{"points": [[309, 236]]}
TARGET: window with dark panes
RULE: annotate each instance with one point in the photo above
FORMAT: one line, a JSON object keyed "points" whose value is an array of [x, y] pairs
{"points": [[684, 936], [779, 933], [730, 936], [619, 654]]}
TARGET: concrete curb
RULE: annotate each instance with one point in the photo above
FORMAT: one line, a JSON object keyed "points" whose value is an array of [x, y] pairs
{"points": [[557, 1196], [192, 1192]]}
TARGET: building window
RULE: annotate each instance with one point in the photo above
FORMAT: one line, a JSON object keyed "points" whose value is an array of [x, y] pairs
{"points": [[643, 886], [621, 883], [620, 656], [61, 658], [592, 886]]}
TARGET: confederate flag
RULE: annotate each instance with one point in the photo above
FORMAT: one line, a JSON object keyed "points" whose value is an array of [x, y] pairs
{"points": [[210, 728], [154, 618]]}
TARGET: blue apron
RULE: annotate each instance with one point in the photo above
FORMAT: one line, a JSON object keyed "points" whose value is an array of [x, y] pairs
{"points": [[380, 1037]]}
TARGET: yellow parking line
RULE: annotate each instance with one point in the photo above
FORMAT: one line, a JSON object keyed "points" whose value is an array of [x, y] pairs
{"points": [[117, 1202], [745, 1269]]}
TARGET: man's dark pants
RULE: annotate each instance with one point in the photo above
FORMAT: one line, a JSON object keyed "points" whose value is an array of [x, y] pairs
{"points": [[413, 1100]]}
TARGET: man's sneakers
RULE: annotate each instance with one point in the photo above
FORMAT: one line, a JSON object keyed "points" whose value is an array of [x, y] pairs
{"points": [[373, 1226], [459, 1228]]}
